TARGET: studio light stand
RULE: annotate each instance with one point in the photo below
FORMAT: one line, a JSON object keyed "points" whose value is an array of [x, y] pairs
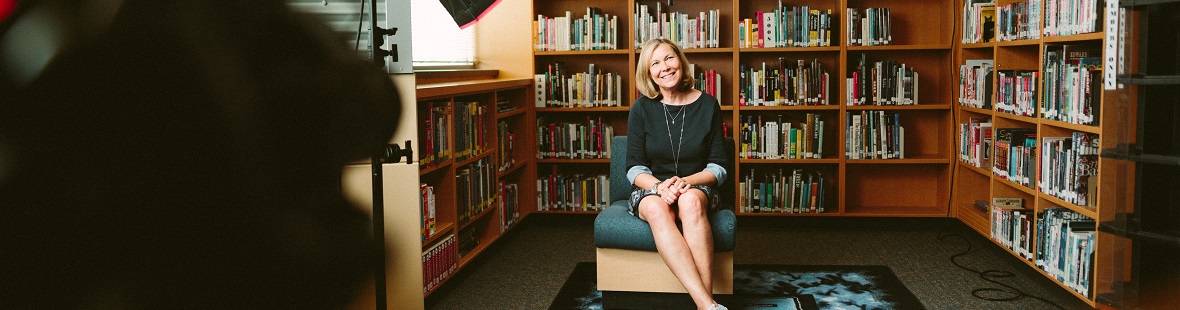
{"points": [[391, 153]]}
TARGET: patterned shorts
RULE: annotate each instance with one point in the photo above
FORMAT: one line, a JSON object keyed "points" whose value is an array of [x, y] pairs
{"points": [[638, 194]]}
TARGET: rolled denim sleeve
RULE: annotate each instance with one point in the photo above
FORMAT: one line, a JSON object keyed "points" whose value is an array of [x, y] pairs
{"points": [[717, 171], [636, 170]]}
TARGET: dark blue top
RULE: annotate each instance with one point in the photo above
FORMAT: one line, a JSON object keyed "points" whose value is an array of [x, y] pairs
{"points": [[651, 136]]}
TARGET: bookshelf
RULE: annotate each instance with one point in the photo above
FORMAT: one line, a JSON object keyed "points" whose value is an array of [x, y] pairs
{"points": [[1141, 158], [852, 187], [1039, 150], [474, 160]]}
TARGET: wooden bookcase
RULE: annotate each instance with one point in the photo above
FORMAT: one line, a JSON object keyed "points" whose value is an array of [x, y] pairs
{"points": [[1142, 157], [482, 220], [981, 184], [860, 187]]}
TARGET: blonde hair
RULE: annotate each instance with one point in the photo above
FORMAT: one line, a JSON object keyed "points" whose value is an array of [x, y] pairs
{"points": [[643, 82]]}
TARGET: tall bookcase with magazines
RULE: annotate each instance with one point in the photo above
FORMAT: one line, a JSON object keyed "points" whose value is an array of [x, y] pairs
{"points": [[822, 98], [1031, 118], [472, 169]]}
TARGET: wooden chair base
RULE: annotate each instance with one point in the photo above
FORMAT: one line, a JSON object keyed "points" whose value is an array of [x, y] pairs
{"points": [[645, 271]]}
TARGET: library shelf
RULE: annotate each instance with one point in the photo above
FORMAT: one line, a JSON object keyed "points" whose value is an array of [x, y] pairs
{"points": [[573, 161], [973, 217], [1017, 118], [895, 211], [441, 229], [476, 217], [925, 44], [585, 110], [789, 49], [1140, 157], [976, 110], [1137, 207], [564, 212], [791, 161], [482, 155], [1026, 42], [1075, 127], [582, 53], [510, 170], [1017, 186], [432, 168], [516, 112], [980, 45], [790, 107], [921, 159], [703, 50], [454, 179], [781, 214], [914, 47], [1089, 212], [460, 88], [1093, 36], [1143, 3], [1148, 79], [980, 170], [940, 107], [1033, 265], [1029, 54], [1120, 227], [473, 253]]}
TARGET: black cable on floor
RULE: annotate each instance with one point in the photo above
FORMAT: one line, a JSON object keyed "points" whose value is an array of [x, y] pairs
{"points": [[991, 275]]}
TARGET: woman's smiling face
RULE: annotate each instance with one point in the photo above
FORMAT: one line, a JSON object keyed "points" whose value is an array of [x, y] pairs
{"points": [[665, 67]]}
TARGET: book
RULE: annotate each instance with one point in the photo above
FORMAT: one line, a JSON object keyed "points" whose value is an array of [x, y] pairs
{"points": [[975, 83], [1008, 203]]}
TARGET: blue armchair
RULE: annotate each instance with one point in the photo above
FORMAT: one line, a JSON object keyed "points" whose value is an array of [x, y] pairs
{"points": [[626, 254]]}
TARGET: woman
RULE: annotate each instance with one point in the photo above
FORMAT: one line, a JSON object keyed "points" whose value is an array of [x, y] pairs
{"points": [[675, 155]]}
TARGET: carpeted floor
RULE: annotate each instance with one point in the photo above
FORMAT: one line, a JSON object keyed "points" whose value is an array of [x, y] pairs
{"points": [[831, 287], [526, 268]]}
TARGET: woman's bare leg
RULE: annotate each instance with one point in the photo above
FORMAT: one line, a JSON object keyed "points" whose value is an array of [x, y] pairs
{"points": [[674, 249], [698, 234]]}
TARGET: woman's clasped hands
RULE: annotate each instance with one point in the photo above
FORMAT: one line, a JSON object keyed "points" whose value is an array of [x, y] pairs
{"points": [[671, 189]]}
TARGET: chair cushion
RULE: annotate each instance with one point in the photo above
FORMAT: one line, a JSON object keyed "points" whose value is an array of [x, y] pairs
{"points": [[615, 228]]}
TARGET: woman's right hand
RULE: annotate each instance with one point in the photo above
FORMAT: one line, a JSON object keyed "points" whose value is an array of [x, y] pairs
{"points": [[670, 189]]}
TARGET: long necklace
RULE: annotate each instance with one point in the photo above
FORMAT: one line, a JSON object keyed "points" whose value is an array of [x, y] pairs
{"points": [[670, 119]]}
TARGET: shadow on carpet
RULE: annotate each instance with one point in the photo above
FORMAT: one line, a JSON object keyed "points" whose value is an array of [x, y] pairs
{"points": [[832, 287]]}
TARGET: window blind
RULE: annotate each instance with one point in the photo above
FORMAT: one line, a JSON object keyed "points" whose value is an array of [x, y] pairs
{"points": [[343, 16], [437, 42]]}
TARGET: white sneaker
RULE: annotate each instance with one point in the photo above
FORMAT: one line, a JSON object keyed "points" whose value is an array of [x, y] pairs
{"points": [[718, 307]]}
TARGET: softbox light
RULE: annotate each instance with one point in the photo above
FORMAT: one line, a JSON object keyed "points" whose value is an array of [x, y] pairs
{"points": [[467, 12]]}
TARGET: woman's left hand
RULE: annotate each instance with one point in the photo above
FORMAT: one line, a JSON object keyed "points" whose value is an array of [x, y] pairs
{"points": [[676, 186]]}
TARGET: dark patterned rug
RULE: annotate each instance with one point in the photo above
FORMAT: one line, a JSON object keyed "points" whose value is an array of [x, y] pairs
{"points": [[831, 287]]}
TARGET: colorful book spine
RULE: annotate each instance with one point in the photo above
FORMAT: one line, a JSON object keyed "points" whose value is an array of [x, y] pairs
{"points": [[439, 263], [572, 192], [783, 191], [594, 30], [882, 83], [701, 30], [874, 135]]}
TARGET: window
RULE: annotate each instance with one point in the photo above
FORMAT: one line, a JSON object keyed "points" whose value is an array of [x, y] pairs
{"points": [[344, 18], [438, 42]]}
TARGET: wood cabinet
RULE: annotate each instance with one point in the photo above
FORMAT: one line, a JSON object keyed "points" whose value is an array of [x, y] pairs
{"points": [[921, 39], [1138, 232], [1063, 188], [474, 160]]}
